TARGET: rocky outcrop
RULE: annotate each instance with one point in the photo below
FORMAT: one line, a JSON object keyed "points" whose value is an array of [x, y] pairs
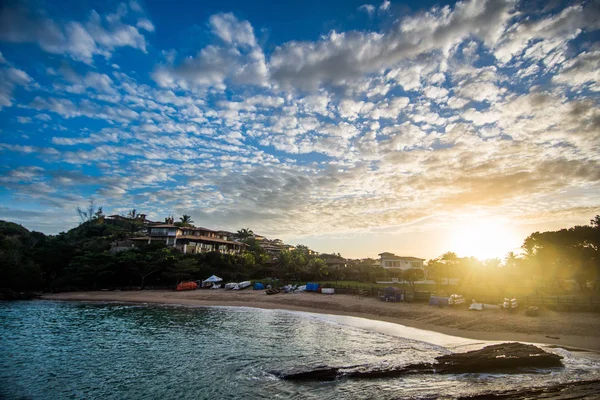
{"points": [[504, 357]]}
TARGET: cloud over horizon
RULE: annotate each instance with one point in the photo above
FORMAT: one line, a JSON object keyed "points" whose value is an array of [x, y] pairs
{"points": [[481, 107]]}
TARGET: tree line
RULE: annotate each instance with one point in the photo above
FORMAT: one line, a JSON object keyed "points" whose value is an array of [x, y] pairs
{"points": [[82, 259], [549, 259]]}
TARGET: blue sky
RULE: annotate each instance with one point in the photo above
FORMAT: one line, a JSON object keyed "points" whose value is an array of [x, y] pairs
{"points": [[352, 127]]}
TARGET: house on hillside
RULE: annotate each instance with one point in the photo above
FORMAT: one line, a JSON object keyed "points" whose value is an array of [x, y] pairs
{"points": [[141, 218], [191, 240], [391, 261], [334, 260], [275, 246]]}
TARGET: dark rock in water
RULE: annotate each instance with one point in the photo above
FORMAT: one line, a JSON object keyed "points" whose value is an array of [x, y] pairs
{"points": [[504, 357], [498, 357], [8, 294]]}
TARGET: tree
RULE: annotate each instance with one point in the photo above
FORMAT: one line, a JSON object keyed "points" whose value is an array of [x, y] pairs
{"points": [[566, 253], [318, 268], [183, 269], [18, 269], [435, 270], [146, 264], [510, 261], [99, 215], [92, 269], [450, 261], [244, 233], [492, 263], [186, 220], [90, 213], [135, 225], [413, 274], [302, 248]]}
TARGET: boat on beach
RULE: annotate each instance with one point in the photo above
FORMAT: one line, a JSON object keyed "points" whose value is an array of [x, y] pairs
{"points": [[242, 285]]}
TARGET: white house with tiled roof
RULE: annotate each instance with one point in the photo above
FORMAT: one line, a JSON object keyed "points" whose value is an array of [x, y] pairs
{"points": [[189, 239], [394, 262]]}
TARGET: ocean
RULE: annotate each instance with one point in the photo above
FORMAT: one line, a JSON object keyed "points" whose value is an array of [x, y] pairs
{"points": [[71, 350]]}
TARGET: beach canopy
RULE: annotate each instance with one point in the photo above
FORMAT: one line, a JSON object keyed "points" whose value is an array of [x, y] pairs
{"points": [[391, 289], [213, 278]]}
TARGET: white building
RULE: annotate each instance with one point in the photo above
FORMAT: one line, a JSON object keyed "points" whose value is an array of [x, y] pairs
{"points": [[394, 262]]}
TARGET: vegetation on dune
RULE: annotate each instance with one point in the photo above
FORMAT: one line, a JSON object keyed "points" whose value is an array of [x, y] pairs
{"points": [[81, 259]]}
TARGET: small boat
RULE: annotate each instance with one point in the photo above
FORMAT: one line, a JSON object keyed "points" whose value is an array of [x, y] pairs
{"points": [[271, 291], [476, 306], [510, 304], [532, 311], [242, 285], [456, 299], [230, 286], [187, 286]]}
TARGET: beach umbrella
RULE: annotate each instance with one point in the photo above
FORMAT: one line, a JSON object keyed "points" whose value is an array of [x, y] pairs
{"points": [[213, 279]]}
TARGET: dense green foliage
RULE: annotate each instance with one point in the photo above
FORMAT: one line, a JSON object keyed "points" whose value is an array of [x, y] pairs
{"points": [[82, 259], [549, 260]]}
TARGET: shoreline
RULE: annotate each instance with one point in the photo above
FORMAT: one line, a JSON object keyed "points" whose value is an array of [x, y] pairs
{"points": [[572, 331]]}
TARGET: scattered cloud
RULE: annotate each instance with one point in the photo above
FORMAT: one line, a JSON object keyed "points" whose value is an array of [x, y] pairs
{"points": [[99, 35], [478, 105]]}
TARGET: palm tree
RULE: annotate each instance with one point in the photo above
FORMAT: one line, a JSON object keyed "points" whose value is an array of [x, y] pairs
{"points": [[244, 233], [510, 259], [186, 220]]}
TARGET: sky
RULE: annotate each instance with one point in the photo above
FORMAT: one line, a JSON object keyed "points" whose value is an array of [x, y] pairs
{"points": [[353, 127]]}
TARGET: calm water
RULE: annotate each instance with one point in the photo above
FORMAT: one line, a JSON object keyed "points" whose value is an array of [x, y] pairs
{"points": [[61, 350]]}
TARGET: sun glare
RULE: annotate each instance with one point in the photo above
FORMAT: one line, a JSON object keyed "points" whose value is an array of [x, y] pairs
{"points": [[483, 239]]}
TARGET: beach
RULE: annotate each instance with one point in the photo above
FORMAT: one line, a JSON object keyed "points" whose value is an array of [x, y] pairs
{"points": [[564, 329]]}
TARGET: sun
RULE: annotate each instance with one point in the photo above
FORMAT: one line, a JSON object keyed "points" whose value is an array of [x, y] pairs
{"points": [[483, 239]]}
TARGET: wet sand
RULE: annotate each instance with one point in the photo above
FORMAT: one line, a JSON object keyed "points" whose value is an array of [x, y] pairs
{"points": [[564, 329]]}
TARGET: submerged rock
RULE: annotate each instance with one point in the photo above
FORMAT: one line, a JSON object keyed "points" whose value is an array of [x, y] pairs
{"points": [[504, 357]]}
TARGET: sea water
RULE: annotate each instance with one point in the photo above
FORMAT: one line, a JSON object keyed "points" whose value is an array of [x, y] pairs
{"points": [[69, 350]]}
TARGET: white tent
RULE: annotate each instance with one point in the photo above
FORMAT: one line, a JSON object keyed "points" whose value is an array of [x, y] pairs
{"points": [[213, 279]]}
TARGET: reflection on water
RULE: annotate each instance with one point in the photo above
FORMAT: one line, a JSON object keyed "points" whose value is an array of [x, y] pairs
{"points": [[52, 350]]}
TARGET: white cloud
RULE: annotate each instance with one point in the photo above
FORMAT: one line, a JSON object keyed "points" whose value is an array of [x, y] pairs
{"points": [[240, 61], [583, 69], [232, 31], [555, 28], [339, 57], [368, 8], [351, 131], [456, 102], [10, 78], [145, 24], [99, 35], [435, 92], [390, 108]]}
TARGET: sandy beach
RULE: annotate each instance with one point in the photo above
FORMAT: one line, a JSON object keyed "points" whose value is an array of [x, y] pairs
{"points": [[566, 329]]}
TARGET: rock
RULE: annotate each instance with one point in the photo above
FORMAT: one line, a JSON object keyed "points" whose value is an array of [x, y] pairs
{"points": [[498, 357], [504, 357]]}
